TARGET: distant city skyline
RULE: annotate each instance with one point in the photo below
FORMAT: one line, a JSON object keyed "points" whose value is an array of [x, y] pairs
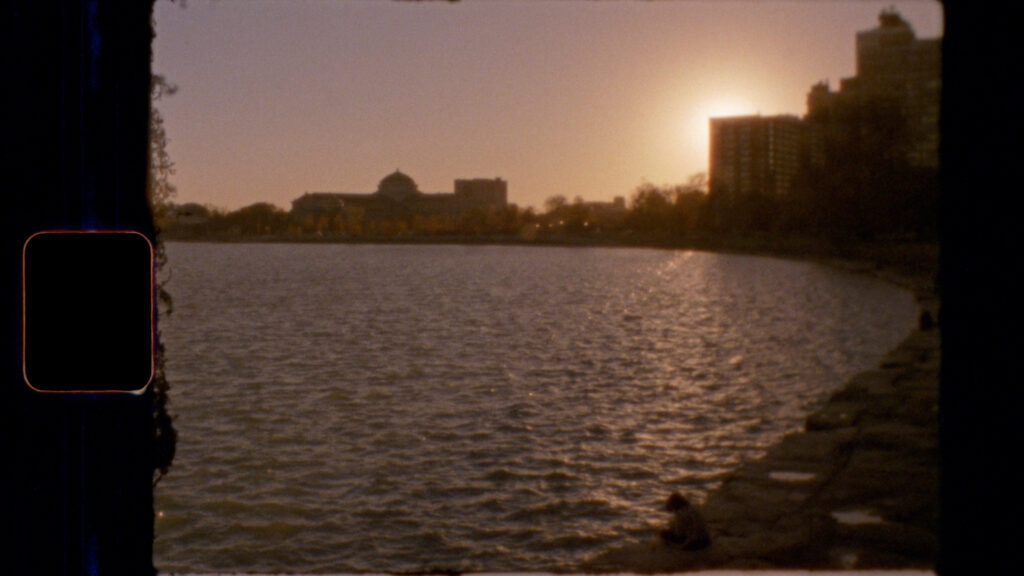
{"points": [[576, 98]]}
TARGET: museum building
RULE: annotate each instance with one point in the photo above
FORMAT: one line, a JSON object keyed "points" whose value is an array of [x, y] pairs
{"points": [[399, 198]]}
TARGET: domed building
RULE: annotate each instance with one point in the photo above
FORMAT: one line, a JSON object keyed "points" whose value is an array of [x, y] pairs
{"points": [[399, 201], [398, 186]]}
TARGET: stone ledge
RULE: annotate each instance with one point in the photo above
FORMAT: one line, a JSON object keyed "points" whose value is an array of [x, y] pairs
{"points": [[871, 453]]}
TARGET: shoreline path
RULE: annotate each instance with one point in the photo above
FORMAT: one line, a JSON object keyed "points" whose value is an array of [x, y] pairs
{"points": [[858, 488]]}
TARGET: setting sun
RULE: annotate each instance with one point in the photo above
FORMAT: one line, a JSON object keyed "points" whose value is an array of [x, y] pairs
{"points": [[727, 105], [581, 99], [694, 121]]}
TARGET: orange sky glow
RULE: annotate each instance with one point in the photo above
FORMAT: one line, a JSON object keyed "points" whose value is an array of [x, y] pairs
{"points": [[580, 98]]}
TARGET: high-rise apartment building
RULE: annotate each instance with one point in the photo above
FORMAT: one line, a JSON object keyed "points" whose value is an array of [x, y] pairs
{"points": [[754, 155], [878, 124], [899, 75]]}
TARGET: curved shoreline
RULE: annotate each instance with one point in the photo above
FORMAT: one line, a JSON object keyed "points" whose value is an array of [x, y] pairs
{"points": [[857, 488]]}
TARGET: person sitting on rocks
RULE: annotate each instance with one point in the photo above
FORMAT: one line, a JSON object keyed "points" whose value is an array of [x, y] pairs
{"points": [[925, 321], [686, 529]]}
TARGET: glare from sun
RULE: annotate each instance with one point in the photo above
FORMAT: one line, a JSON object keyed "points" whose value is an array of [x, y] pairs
{"points": [[725, 106], [694, 120]]}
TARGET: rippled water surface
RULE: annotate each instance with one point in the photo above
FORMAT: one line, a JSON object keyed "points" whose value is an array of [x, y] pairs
{"points": [[352, 408]]}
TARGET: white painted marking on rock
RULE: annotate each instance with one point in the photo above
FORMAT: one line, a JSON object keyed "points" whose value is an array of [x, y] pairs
{"points": [[787, 476], [857, 517]]}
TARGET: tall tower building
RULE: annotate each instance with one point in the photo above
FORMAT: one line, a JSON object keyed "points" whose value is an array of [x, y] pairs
{"points": [[892, 62], [754, 155], [895, 71]]}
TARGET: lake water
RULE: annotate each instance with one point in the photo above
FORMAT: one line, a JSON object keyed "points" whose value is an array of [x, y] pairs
{"points": [[355, 408]]}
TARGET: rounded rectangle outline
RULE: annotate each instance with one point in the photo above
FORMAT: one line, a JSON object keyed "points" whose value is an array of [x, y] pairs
{"points": [[152, 313]]}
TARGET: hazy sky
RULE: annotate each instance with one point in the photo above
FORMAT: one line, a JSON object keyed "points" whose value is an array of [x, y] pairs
{"points": [[580, 98]]}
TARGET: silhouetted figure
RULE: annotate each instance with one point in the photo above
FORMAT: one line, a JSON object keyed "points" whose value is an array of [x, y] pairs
{"points": [[686, 529], [925, 321]]}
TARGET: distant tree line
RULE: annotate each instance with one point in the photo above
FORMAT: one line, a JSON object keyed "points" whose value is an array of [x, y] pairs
{"points": [[865, 191], [267, 221]]}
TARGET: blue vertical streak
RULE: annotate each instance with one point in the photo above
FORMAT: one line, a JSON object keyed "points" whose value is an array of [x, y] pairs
{"points": [[87, 559], [94, 42], [64, 490], [116, 181], [62, 182], [91, 564], [90, 540], [91, 83], [82, 193], [116, 156]]}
